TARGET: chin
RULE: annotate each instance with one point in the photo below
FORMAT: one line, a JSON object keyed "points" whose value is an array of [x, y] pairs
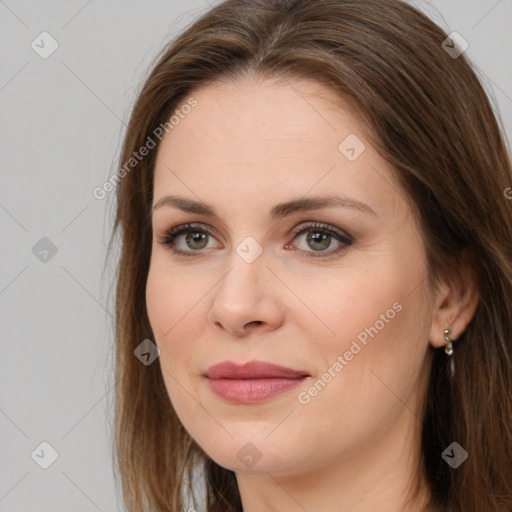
{"points": [[256, 456]]}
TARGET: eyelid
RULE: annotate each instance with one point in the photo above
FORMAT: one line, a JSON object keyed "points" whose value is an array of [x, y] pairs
{"points": [[321, 226]]}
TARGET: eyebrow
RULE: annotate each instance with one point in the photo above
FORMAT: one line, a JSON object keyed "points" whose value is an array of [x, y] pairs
{"points": [[278, 211]]}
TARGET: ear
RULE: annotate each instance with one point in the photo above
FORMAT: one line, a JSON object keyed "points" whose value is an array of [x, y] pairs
{"points": [[456, 300]]}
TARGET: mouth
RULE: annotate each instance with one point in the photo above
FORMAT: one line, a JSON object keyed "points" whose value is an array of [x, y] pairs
{"points": [[252, 382]]}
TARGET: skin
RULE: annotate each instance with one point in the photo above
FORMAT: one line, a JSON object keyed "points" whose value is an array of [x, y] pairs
{"points": [[354, 446]]}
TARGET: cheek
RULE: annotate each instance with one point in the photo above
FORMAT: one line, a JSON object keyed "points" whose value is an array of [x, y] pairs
{"points": [[378, 320], [383, 348], [352, 304], [169, 310], [161, 301], [357, 399], [172, 299], [174, 305]]}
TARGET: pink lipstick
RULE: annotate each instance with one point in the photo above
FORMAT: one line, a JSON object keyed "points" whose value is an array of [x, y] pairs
{"points": [[252, 382]]}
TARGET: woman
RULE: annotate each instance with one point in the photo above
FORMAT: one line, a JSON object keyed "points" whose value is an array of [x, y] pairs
{"points": [[314, 298]]}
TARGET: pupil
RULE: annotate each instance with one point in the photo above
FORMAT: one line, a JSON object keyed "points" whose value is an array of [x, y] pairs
{"points": [[319, 238], [196, 237]]}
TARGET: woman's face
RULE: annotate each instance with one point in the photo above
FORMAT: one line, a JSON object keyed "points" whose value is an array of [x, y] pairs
{"points": [[337, 292]]}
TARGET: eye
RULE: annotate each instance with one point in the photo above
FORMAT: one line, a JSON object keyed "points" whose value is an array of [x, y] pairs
{"points": [[319, 238], [196, 238]]}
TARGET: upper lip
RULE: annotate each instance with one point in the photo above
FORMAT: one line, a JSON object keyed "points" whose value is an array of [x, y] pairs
{"points": [[252, 370]]}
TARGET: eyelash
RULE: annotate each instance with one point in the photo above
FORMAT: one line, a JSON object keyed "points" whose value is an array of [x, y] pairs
{"points": [[168, 237]]}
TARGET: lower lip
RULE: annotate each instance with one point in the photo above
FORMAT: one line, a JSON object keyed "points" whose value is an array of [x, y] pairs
{"points": [[248, 391]]}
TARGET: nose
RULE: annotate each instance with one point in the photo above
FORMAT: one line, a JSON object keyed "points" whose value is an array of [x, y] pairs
{"points": [[247, 298]]}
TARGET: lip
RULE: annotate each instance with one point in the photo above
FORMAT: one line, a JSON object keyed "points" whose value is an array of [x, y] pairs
{"points": [[252, 382], [252, 370]]}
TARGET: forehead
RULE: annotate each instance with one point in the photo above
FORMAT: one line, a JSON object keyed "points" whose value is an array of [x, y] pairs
{"points": [[300, 109], [254, 137]]}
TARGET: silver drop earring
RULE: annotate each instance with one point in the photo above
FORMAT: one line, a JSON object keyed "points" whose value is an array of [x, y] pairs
{"points": [[449, 351]]}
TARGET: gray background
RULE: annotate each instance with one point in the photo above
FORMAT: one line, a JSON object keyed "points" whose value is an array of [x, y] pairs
{"points": [[62, 122]]}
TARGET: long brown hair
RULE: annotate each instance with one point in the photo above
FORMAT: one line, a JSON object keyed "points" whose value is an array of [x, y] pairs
{"points": [[429, 117]]}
